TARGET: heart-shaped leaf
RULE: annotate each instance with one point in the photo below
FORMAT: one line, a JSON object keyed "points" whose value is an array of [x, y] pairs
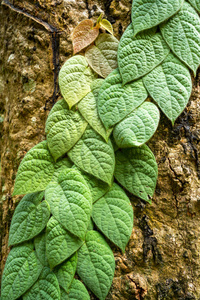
{"points": [[94, 156], [113, 215], [75, 78], [35, 170], [77, 291], [116, 101], [40, 248], [182, 34], [29, 219], [96, 264], [64, 128], [105, 24], [170, 85], [60, 166], [21, 271], [88, 108], [70, 201], [195, 4], [138, 55], [102, 57], [136, 169], [149, 13], [138, 127], [60, 243]]}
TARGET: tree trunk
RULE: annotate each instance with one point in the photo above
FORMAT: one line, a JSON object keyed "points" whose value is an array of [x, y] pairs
{"points": [[162, 258]]}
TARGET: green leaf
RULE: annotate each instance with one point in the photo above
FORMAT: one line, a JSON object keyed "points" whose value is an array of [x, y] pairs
{"points": [[138, 55], [170, 85], [75, 78], [149, 13], [77, 291], [46, 288], [66, 271], [96, 264], [136, 169], [60, 166], [182, 34], [21, 270], [138, 127], [29, 219], [195, 4], [102, 57], [94, 156], [64, 128], [116, 101], [88, 108], [105, 24], [60, 244], [113, 215], [40, 248], [70, 201]]}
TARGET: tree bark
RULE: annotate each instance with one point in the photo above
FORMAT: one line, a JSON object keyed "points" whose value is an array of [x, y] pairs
{"points": [[162, 258]]}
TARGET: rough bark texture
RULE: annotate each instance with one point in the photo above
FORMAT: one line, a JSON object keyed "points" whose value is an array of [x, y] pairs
{"points": [[162, 258]]}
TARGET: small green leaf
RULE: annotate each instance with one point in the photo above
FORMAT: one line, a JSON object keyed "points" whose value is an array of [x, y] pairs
{"points": [[21, 271], [46, 287], [138, 55], [170, 85], [182, 34], [35, 170], [113, 215], [105, 24], [94, 156], [138, 127], [77, 291], [136, 169], [102, 57], [75, 78], [96, 264], [64, 128], [29, 219], [60, 166], [195, 4], [70, 201], [40, 248], [60, 244], [149, 13], [88, 108], [116, 101]]}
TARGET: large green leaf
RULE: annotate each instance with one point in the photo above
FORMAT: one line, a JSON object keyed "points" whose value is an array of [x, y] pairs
{"points": [[138, 127], [138, 55], [136, 169], [116, 101], [77, 291], [35, 170], [182, 34], [21, 271], [40, 248], [70, 201], [96, 264], [113, 215], [60, 166], [88, 108], [170, 85], [64, 128], [102, 57], [195, 4], [75, 78], [149, 13], [29, 219], [60, 244], [45, 288]]}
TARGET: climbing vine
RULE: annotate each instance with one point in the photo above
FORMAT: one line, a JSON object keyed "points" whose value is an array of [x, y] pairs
{"points": [[95, 143]]}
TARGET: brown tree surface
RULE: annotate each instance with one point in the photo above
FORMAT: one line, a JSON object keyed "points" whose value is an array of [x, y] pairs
{"points": [[162, 258]]}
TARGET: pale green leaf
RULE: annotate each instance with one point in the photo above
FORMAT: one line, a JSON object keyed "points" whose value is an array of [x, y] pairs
{"points": [[138, 55], [138, 127], [170, 85], [106, 25], [116, 101], [40, 248], [29, 219], [77, 291], [102, 57], [96, 264], [35, 170], [75, 78], [94, 156], [195, 4], [113, 215], [90, 226], [70, 201], [60, 243], [136, 169], [182, 34], [60, 166], [64, 128]]}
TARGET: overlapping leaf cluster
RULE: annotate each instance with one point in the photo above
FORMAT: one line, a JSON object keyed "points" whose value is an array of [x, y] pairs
{"points": [[96, 133]]}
